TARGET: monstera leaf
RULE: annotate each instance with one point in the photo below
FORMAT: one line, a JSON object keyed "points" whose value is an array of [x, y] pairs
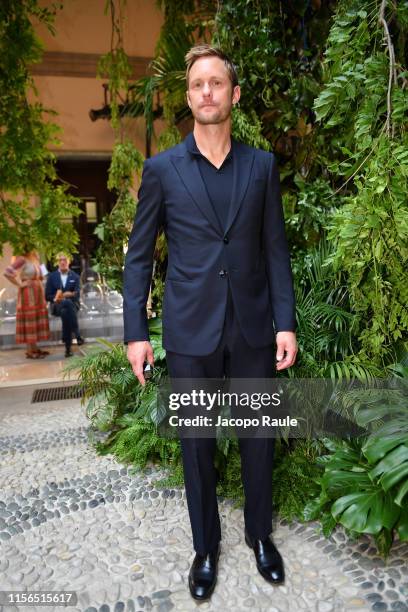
{"points": [[375, 477], [387, 447], [393, 468], [366, 512], [364, 485], [402, 526]]}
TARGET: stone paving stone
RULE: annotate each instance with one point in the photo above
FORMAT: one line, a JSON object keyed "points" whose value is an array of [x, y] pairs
{"points": [[71, 519]]}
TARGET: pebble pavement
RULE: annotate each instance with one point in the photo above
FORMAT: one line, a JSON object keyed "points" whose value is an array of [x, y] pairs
{"points": [[70, 519]]}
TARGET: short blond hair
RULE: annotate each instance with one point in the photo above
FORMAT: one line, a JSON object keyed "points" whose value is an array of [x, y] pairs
{"points": [[61, 254], [206, 50]]}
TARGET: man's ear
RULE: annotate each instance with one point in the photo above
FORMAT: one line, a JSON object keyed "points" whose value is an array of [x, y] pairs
{"points": [[188, 99], [236, 94]]}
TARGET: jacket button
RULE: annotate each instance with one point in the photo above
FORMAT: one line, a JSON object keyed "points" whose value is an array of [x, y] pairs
{"points": [[226, 239], [223, 273]]}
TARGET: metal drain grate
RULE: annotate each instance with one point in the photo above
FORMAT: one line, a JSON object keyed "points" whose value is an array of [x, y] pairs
{"points": [[53, 394]]}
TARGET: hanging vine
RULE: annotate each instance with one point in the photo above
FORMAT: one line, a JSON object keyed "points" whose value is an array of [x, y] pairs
{"points": [[33, 207], [127, 161]]}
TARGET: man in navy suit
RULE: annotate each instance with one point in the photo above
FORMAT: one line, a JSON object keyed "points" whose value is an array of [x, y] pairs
{"points": [[228, 296], [62, 290]]}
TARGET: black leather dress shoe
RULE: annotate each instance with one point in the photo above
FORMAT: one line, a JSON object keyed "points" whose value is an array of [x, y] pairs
{"points": [[80, 341], [68, 353], [203, 574], [268, 559]]}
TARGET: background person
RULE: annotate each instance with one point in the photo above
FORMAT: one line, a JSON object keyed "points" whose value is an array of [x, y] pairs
{"points": [[62, 290], [32, 323]]}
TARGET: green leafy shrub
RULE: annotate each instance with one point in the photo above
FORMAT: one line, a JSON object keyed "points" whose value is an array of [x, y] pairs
{"points": [[364, 485], [110, 387], [137, 442], [294, 476]]}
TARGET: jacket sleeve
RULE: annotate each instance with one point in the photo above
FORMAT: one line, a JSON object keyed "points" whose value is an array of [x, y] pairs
{"points": [[77, 287], [276, 253], [138, 268]]}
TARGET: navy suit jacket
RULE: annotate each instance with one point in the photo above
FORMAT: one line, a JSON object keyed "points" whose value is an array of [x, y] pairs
{"points": [[251, 253], [54, 283]]}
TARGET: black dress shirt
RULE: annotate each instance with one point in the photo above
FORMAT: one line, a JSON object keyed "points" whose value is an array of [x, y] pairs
{"points": [[218, 181]]}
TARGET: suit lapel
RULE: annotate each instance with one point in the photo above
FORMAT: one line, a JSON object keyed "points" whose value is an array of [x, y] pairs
{"points": [[243, 162], [190, 175]]}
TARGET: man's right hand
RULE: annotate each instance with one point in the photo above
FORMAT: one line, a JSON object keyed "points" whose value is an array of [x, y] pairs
{"points": [[138, 352]]}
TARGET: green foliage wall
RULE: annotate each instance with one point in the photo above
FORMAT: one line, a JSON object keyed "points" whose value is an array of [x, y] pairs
{"points": [[363, 109]]}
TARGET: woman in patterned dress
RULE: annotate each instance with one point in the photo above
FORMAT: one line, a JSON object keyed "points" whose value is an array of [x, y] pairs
{"points": [[32, 315]]}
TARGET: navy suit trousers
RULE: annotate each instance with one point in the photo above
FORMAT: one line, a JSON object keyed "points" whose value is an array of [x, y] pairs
{"points": [[233, 358], [67, 310]]}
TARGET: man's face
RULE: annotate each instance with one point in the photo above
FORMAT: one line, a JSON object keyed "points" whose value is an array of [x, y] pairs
{"points": [[210, 94], [63, 264]]}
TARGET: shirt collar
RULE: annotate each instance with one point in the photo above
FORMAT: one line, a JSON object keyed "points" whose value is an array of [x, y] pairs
{"points": [[194, 150]]}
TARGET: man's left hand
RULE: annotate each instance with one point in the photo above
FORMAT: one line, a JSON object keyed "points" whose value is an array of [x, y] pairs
{"points": [[286, 349]]}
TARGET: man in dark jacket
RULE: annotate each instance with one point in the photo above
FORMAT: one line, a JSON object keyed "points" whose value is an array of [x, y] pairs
{"points": [[228, 294], [62, 290]]}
